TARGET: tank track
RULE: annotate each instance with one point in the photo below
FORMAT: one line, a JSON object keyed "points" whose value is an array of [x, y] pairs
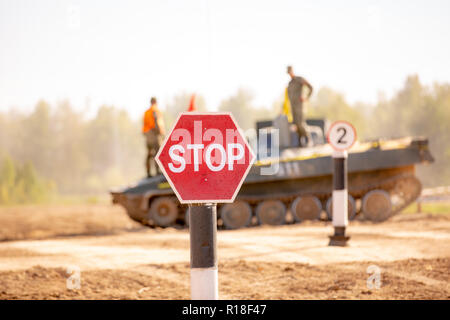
{"points": [[403, 189]]}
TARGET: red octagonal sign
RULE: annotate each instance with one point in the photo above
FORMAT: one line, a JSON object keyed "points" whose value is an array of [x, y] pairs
{"points": [[205, 158]]}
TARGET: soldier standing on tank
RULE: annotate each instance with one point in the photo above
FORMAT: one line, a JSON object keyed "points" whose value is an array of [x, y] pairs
{"points": [[153, 130], [297, 100]]}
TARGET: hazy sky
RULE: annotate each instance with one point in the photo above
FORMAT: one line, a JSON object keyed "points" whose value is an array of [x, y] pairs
{"points": [[123, 52]]}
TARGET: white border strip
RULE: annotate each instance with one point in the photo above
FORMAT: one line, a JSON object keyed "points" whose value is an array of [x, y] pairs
{"points": [[340, 208], [204, 284]]}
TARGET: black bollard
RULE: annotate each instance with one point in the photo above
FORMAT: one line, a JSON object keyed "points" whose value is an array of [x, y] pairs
{"points": [[340, 199]]}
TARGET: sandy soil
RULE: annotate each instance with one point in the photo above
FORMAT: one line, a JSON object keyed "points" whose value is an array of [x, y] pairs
{"points": [[121, 260]]}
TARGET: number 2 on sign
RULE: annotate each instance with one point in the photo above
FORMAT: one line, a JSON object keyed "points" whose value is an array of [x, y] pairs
{"points": [[344, 132]]}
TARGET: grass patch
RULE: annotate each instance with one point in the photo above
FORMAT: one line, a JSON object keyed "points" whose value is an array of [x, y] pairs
{"points": [[82, 199], [429, 207], [67, 200]]}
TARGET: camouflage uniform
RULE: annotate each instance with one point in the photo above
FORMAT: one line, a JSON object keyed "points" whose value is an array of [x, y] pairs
{"points": [[153, 141], [295, 88]]}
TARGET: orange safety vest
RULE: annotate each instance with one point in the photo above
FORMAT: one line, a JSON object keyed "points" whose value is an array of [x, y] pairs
{"points": [[149, 119]]}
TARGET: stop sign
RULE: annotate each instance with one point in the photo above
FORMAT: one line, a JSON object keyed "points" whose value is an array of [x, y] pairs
{"points": [[205, 158]]}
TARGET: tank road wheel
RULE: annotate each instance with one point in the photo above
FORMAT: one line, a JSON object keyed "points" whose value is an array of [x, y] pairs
{"points": [[405, 191], [236, 215], [306, 208], [376, 205], [163, 211], [351, 208], [272, 212]]}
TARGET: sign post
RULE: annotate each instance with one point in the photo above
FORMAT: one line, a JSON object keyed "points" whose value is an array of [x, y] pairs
{"points": [[203, 230], [205, 159], [341, 136]]}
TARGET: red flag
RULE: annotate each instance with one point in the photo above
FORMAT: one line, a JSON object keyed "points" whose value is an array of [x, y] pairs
{"points": [[192, 103]]}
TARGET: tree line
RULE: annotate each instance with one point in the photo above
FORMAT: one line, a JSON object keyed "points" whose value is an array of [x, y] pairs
{"points": [[414, 110], [57, 150]]}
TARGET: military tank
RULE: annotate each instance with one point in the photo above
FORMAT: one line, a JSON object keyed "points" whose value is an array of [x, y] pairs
{"points": [[295, 184]]}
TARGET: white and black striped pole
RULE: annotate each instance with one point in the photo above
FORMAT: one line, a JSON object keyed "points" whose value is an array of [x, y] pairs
{"points": [[202, 174], [341, 136], [340, 199], [203, 236]]}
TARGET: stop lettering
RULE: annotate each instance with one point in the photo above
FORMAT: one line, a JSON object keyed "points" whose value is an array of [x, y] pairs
{"points": [[226, 156]]}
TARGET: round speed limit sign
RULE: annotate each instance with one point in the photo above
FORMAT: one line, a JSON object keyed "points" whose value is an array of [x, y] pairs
{"points": [[341, 135]]}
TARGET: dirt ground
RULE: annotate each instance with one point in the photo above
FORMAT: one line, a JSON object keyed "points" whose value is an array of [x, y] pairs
{"points": [[118, 259]]}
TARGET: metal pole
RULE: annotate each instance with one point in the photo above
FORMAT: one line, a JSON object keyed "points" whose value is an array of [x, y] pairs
{"points": [[203, 234], [340, 199]]}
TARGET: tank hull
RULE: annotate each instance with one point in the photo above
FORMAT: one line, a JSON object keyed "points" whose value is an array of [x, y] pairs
{"points": [[387, 166]]}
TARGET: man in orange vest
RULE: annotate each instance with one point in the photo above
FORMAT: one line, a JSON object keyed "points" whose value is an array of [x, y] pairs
{"points": [[153, 129]]}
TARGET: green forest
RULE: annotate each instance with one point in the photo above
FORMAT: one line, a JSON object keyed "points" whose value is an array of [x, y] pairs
{"points": [[56, 150]]}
